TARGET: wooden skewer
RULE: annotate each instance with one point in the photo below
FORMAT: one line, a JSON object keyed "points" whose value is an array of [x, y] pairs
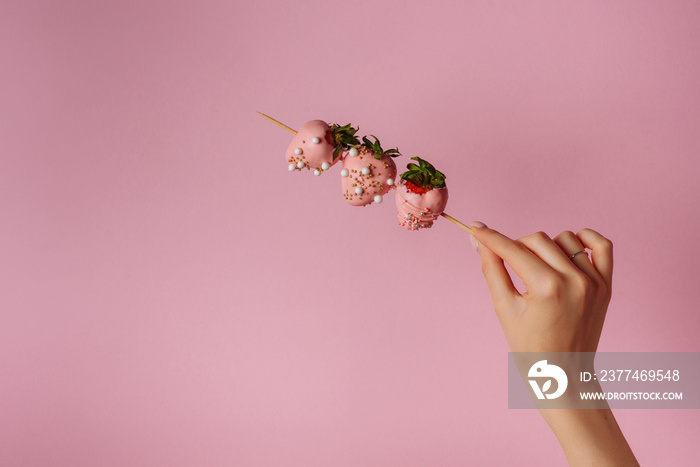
{"points": [[294, 132], [279, 124], [452, 219]]}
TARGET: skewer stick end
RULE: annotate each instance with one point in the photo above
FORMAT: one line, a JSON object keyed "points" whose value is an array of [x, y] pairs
{"points": [[279, 124]]}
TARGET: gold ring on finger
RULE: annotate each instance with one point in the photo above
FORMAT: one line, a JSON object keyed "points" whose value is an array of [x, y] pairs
{"points": [[578, 252]]}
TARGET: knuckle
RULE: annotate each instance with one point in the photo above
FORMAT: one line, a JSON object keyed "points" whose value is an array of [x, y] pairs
{"points": [[584, 285], [597, 240], [533, 238], [516, 247], [551, 286], [539, 236], [606, 244], [565, 235], [587, 287]]}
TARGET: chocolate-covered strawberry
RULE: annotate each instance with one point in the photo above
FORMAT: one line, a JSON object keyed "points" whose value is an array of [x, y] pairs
{"points": [[368, 172], [421, 195], [318, 145]]}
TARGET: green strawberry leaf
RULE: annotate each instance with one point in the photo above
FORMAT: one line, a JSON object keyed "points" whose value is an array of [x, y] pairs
{"points": [[424, 174], [376, 148], [343, 138]]}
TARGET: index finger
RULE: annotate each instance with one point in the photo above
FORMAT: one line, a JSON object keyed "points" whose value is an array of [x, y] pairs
{"points": [[523, 261]]}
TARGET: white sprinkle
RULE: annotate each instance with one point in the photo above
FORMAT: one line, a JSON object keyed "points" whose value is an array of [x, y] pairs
{"points": [[352, 152], [316, 140], [325, 166], [344, 173], [317, 172], [365, 171], [292, 167], [358, 191], [390, 181], [297, 151], [378, 199], [300, 165]]}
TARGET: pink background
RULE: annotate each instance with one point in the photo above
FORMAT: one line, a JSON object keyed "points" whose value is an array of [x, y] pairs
{"points": [[172, 295]]}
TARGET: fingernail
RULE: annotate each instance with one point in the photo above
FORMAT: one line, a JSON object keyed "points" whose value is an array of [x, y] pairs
{"points": [[475, 244]]}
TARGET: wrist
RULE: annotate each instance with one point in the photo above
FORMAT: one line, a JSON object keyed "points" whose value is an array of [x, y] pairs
{"points": [[589, 436]]}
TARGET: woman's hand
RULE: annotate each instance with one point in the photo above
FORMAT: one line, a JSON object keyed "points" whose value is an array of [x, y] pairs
{"points": [[566, 298], [562, 310]]}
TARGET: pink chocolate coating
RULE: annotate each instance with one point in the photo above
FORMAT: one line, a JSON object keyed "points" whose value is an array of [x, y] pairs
{"points": [[372, 184], [418, 211], [313, 155]]}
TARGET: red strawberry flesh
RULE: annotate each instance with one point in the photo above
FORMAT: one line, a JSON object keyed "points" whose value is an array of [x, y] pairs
{"points": [[416, 189]]}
